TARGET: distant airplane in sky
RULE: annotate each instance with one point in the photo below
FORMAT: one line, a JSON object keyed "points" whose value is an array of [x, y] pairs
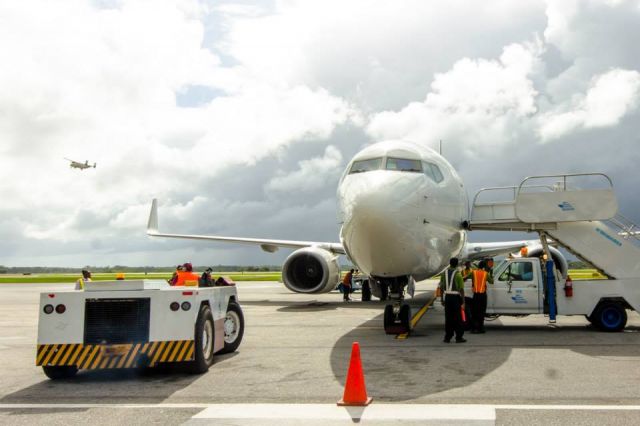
{"points": [[402, 207], [78, 165]]}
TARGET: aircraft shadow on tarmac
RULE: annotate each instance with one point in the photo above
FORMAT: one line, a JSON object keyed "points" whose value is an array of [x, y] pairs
{"points": [[422, 365], [149, 386]]}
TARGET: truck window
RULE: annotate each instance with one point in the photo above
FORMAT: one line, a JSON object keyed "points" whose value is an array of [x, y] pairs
{"points": [[518, 271]]}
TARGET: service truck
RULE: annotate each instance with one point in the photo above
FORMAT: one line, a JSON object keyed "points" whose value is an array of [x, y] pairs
{"points": [[136, 324], [577, 212], [520, 288]]}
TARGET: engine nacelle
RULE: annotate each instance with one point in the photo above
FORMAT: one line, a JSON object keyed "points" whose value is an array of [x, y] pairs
{"points": [[311, 270], [558, 259]]}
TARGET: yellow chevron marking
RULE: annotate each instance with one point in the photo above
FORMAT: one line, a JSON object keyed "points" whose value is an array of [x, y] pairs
{"points": [[191, 348], [132, 357], [168, 351], [60, 352], [183, 351], [85, 352], [73, 358], [42, 350], [175, 350], [68, 353], [158, 352], [144, 348], [94, 357], [52, 350], [114, 360], [104, 362], [97, 358], [151, 349]]}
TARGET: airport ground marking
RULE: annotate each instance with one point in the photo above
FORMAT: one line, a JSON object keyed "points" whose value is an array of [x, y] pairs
{"points": [[332, 411], [417, 317]]}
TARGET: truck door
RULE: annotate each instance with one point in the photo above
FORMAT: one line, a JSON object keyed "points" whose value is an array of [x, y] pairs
{"points": [[516, 289]]}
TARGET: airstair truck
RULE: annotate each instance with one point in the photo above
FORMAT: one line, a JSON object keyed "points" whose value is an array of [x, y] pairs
{"points": [[136, 324], [579, 213]]}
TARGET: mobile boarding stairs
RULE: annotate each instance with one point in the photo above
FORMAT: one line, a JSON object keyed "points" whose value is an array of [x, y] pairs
{"points": [[584, 221], [580, 213]]}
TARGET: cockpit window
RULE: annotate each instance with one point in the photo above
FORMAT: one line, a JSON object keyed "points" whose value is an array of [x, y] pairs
{"points": [[366, 165], [404, 165], [433, 171]]}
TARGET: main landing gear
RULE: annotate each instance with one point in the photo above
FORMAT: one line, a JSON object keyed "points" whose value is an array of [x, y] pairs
{"points": [[397, 316]]}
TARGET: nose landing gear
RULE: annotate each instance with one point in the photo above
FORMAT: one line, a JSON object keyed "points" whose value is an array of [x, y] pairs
{"points": [[397, 316]]}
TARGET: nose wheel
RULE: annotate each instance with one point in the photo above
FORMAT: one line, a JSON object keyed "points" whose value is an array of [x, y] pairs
{"points": [[397, 318]]}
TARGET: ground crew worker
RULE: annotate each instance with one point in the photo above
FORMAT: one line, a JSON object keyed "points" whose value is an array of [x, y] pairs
{"points": [[479, 279], [453, 289], [186, 274], [86, 277], [205, 278], [466, 272], [346, 285], [174, 278]]}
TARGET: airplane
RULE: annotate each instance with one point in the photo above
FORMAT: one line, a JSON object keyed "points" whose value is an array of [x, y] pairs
{"points": [[402, 209], [78, 165]]}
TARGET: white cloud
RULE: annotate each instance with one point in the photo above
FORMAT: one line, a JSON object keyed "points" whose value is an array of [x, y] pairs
{"points": [[609, 98], [311, 175], [476, 105]]}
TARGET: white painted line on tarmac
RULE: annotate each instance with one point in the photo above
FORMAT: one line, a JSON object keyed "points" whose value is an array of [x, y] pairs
{"points": [[333, 412]]}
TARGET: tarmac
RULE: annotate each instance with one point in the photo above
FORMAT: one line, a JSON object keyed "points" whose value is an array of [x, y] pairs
{"points": [[292, 364]]}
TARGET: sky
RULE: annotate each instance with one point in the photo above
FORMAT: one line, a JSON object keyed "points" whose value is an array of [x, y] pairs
{"points": [[240, 116]]}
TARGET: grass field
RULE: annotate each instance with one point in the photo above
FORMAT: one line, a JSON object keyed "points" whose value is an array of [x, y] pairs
{"points": [[70, 278], [576, 274]]}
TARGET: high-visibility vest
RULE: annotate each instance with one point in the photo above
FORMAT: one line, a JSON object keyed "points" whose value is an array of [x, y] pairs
{"points": [[186, 276], [480, 281]]}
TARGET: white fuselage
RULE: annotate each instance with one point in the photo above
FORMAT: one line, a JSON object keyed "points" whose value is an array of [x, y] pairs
{"points": [[399, 216]]}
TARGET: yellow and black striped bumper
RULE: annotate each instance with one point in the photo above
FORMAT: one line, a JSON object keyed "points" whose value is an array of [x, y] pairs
{"points": [[92, 357]]}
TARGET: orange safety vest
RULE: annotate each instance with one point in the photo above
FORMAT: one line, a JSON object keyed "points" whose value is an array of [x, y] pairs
{"points": [[186, 276], [480, 281], [346, 280]]}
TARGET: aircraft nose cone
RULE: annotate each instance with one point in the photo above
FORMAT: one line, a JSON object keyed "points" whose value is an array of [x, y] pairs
{"points": [[380, 219]]}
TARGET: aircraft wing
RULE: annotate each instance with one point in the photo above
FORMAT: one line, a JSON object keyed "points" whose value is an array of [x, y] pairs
{"points": [[267, 245], [473, 251]]}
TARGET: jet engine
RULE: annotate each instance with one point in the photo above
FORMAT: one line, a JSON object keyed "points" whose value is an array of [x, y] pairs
{"points": [[311, 270], [558, 258]]}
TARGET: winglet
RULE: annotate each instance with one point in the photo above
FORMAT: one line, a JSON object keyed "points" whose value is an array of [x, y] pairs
{"points": [[152, 225]]}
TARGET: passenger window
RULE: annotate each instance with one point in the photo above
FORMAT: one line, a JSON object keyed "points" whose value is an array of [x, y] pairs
{"points": [[366, 165], [404, 165]]}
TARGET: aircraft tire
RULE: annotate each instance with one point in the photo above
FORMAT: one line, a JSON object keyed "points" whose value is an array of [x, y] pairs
{"points": [[389, 319], [405, 317], [203, 341], [366, 291], [233, 328]]}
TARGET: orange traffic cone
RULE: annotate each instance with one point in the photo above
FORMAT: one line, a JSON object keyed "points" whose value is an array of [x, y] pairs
{"points": [[355, 390]]}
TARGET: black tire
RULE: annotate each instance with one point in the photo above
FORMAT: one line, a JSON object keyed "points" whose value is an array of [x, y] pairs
{"points": [[389, 319], [203, 341], [233, 328], [610, 316], [57, 372], [405, 317], [366, 291]]}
